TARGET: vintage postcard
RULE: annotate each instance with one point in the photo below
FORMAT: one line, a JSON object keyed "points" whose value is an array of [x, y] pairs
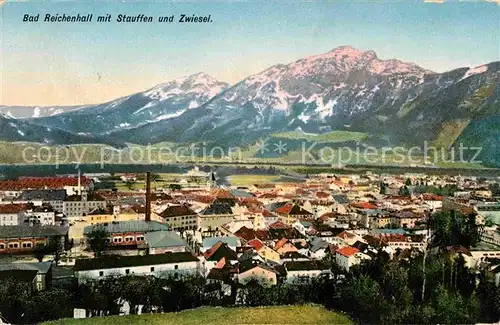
{"points": [[284, 162]]}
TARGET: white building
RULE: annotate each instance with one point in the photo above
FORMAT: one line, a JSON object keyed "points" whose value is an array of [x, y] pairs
{"points": [[163, 265], [303, 271], [12, 214], [348, 256]]}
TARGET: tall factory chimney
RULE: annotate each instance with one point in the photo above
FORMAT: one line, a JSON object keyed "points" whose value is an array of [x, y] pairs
{"points": [[148, 196], [79, 190]]}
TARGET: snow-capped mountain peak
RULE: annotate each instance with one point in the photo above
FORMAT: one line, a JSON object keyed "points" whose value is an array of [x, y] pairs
{"points": [[325, 76], [201, 84]]}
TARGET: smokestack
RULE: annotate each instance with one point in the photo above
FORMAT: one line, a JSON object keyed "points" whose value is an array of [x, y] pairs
{"points": [[79, 183], [148, 196]]}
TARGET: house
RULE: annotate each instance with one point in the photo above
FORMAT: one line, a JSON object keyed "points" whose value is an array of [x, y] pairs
{"points": [[180, 217], [303, 271], [161, 242], [264, 251], [12, 214], [24, 238], [215, 254], [127, 233], [293, 256], [231, 241], [39, 274], [291, 212], [78, 205], [348, 238], [54, 198], [214, 216], [318, 248], [263, 273], [41, 215], [346, 257], [162, 265], [284, 246], [303, 226], [406, 218]]}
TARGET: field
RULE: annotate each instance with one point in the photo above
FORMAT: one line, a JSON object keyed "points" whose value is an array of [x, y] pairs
{"points": [[246, 180], [334, 136], [209, 315]]}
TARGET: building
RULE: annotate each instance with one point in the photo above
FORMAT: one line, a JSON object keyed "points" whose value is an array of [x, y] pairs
{"points": [[304, 271], [44, 215], [161, 242], [346, 257], [12, 214], [127, 234], [81, 205], [231, 241], [22, 239], [55, 198], [264, 251], [251, 270], [180, 217], [162, 265], [39, 274], [72, 185], [214, 216], [292, 212]]}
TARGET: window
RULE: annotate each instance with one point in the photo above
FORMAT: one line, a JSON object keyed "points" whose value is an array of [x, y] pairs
{"points": [[2, 246], [152, 269], [13, 245], [128, 239], [101, 273], [140, 238], [176, 267], [27, 245], [127, 271]]}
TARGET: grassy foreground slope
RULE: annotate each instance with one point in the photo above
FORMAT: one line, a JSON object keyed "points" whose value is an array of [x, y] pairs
{"points": [[210, 315]]}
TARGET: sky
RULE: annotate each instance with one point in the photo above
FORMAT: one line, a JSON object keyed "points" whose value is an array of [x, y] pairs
{"points": [[64, 63]]}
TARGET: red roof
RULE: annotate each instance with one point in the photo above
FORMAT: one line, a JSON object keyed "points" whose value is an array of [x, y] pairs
{"points": [[12, 208], [285, 209], [278, 225], [322, 195], [213, 249], [364, 205], [24, 183], [280, 243], [326, 216], [345, 235], [347, 251], [222, 194], [267, 213], [432, 197], [256, 243]]}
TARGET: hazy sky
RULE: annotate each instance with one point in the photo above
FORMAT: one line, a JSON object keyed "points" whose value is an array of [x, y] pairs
{"points": [[82, 63]]}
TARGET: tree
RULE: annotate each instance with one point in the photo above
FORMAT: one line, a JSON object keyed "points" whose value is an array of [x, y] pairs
{"points": [[39, 252], [174, 187], [404, 191], [98, 240], [129, 184], [454, 228], [408, 182], [383, 188], [56, 248], [13, 294]]}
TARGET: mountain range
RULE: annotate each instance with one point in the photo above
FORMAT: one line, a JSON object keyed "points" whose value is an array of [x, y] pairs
{"points": [[395, 102]]}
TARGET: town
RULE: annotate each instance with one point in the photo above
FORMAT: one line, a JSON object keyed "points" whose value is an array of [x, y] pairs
{"points": [[68, 229]]}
